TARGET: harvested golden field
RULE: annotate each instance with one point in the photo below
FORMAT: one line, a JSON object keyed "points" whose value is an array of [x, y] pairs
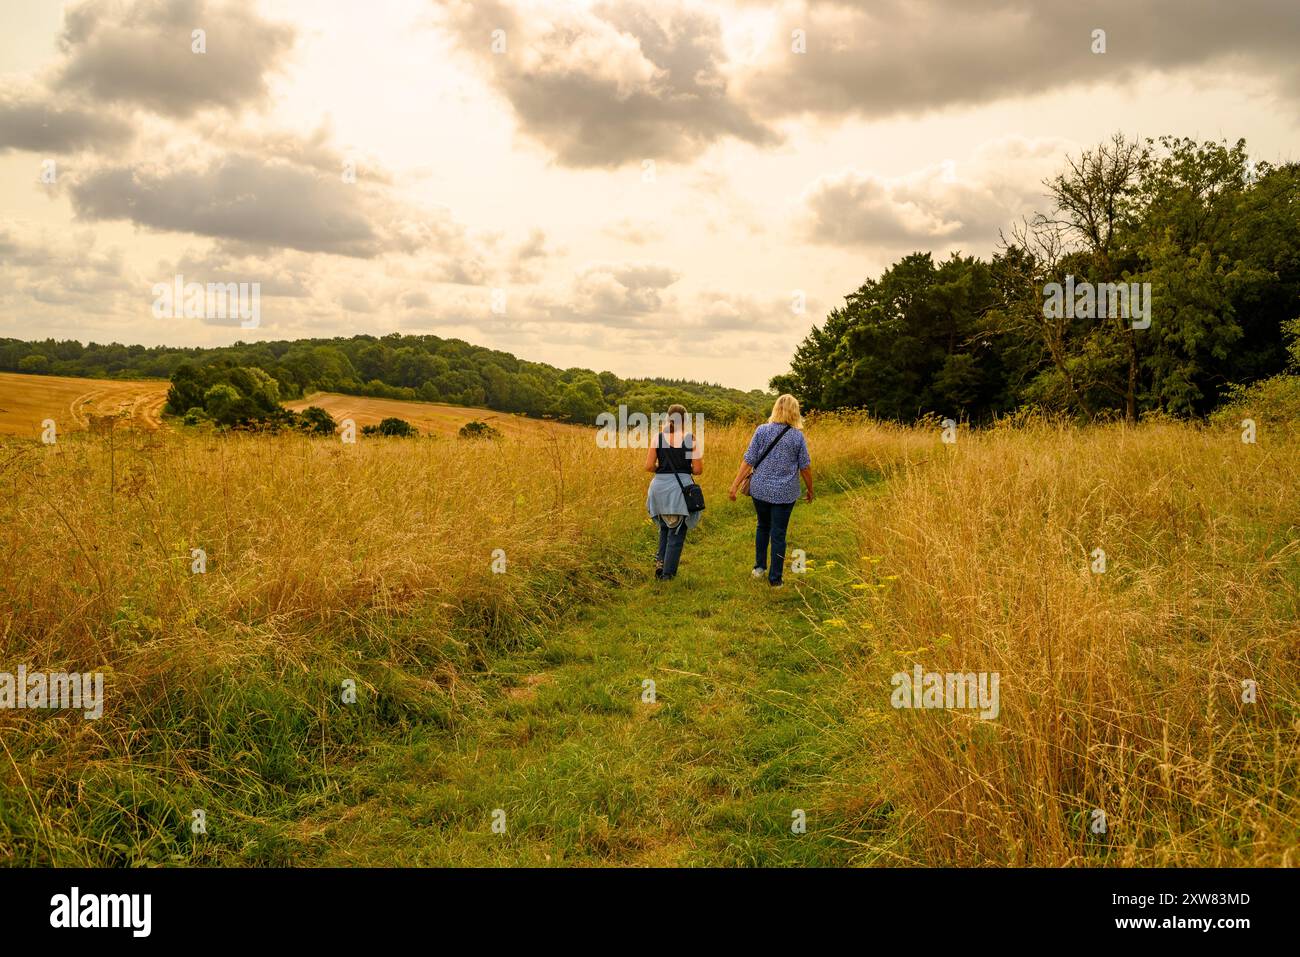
{"points": [[431, 418], [27, 400], [73, 403]]}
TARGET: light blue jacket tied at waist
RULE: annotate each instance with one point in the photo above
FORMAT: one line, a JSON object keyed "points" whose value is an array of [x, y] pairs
{"points": [[665, 498]]}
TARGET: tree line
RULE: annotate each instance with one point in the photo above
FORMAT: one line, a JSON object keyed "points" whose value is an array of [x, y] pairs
{"points": [[1213, 236], [246, 382]]}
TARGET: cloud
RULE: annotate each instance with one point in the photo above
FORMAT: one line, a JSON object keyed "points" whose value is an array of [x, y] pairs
{"points": [[141, 53], [618, 304], [891, 57], [34, 121], [354, 301], [721, 313], [259, 202], [627, 295], [69, 271], [529, 256], [315, 150], [625, 289], [459, 271], [621, 82], [287, 274], [939, 204], [636, 233]]}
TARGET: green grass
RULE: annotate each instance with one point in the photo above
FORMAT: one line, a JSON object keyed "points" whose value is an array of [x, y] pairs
{"points": [[752, 721]]}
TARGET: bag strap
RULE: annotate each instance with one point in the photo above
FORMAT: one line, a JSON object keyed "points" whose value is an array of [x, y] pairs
{"points": [[659, 446], [771, 447]]}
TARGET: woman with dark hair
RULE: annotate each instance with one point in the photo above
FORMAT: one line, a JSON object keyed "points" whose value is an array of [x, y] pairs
{"points": [[674, 459]]}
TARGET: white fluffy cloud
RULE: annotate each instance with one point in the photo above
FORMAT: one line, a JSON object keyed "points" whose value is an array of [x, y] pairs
{"points": [[943, 204]]}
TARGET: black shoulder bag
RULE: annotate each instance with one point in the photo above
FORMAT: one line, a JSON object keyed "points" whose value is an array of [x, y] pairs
{"points": [[744, 486], [693, 494]]}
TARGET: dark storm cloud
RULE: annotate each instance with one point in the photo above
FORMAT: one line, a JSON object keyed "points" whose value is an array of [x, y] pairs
{"points": [[141, 53], [620, 83]]}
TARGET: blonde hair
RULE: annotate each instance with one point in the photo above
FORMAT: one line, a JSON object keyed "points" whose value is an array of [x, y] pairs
{"points": [[676, 413], [786, 411]]}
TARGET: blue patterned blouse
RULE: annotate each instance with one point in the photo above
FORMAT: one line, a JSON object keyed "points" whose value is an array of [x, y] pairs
{"points": [[776, 480]]}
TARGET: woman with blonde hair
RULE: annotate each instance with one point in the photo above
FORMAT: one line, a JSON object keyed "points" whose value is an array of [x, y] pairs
{"points": [[675, 460], [769, 474]]}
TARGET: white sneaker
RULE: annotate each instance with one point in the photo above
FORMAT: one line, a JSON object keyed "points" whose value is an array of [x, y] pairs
{"points": [[759, 572]]}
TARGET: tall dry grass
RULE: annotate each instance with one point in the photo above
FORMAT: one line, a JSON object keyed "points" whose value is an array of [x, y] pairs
{"points": [[1120, 692], [325, 563]]}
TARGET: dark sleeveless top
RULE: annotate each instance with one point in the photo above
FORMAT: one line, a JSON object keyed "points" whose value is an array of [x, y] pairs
{"points": [[673, 459]]}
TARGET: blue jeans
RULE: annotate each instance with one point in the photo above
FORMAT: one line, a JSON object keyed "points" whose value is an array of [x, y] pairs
{"points": [[773, 520], [671, 541]]}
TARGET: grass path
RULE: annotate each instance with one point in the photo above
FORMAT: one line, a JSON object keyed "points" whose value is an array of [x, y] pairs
{"points": [[752, 720]]}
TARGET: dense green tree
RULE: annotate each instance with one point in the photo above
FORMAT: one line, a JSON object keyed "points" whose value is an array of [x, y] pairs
{"points": [[1216, 237], [478, 430], [316, 421], [912, 342], [392, 426], [223, 404], [581, 401]]}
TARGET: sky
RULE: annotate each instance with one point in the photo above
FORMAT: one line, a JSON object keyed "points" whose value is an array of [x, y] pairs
{"points": [[672, 189]]}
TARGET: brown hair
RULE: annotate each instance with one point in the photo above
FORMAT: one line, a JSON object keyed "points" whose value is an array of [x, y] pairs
{"points": [[676, 413]]}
